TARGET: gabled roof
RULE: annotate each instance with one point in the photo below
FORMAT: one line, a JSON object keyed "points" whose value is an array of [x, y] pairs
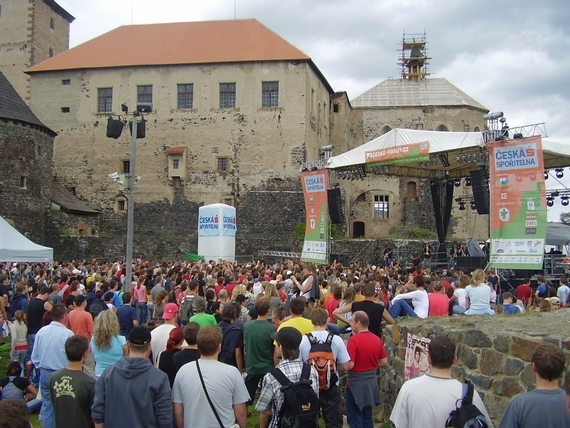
{"points": [[13, 107], [407, 93], [176, 43], [67, 201]]}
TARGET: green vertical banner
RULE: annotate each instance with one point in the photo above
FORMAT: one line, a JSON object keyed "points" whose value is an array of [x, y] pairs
{"points": [[518, 204], [315, 185]]}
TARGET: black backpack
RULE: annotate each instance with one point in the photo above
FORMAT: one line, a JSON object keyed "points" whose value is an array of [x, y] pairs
{"points": [[467, 415], [187, 309], [300, 408]]}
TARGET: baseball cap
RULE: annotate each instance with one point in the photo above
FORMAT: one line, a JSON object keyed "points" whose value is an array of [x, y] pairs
{"points": [[288, 337], [79, 299], [139, 336], [170, 310]]}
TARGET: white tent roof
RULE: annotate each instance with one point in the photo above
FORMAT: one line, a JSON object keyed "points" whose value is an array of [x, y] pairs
{"points": [[452, 144], [15, 247]]}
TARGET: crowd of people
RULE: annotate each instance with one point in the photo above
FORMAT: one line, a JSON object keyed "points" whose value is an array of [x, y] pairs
{"points": [[192, 344]]}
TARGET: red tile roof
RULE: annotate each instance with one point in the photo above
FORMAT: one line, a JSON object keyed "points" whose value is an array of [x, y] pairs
{"points": [[176, 150], [176, 43]]}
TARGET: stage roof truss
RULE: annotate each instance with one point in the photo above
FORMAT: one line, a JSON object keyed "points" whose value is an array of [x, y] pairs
{"points": [[452, 155]]}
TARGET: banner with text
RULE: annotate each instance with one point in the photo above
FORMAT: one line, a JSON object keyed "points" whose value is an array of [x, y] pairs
{"points": [[518, 204], [406, 153], [315, 185]]}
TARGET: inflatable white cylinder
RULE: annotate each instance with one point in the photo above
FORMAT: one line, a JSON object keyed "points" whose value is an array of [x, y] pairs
{"points": [[217, 229]]}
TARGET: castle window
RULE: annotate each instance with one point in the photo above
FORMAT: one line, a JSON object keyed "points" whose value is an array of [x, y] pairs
{"points": [[228, 200], [381, 206], [442, 128], [66, 82], [65, 110], [412, 190], [222, 164], [23, 182], [120, 204], [336, 108], [385, 130], [227, 95], [269, 94], [175, 163], [104, 100], [126, 166], [144, 94], [185, 95], [50, 52], [51, 23], [476, 129]]}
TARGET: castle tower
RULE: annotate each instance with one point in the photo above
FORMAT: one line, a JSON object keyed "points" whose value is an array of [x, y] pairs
{"points": [[31, 31], [414, 59]]}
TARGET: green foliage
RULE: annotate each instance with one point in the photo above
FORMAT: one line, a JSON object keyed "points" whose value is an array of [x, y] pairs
{"points": [[410, 232], [300, 231], [565, 218]]}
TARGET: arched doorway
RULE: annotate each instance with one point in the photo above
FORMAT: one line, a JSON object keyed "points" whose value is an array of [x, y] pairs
{"points": [[358, 229]]}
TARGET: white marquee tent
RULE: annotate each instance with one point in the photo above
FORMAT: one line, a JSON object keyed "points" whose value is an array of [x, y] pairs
{"points": [[455, 146], [15, 247]]}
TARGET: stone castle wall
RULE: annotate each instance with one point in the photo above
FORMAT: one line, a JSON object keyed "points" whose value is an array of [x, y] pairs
{"points": [[25, 171], [493, 352]]}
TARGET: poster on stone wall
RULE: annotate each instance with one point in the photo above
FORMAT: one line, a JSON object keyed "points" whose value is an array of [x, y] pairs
{"points": [[416, 356]]}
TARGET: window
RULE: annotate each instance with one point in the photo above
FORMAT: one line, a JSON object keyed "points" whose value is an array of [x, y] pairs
{"points": [[104, 100], [50, 52], [227, 95], [66, 82], [228, 201], [51, 23], [65, 109], [381, 206], [175, 163], [186, 95], [144, 94], [269, 94], [23, 182], [126, 166], [442, 128], [222, 164], [121, 206], [335, 108]]}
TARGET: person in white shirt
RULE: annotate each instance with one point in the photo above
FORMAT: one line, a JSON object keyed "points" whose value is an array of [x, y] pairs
{"points": [[419, 297], [427, 400]]}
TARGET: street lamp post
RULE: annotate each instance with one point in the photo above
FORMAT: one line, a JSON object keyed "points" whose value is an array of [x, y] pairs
{"points": [[131, 205]]}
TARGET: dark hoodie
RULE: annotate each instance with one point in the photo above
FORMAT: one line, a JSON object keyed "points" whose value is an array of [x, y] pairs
{"points": [[133, 393], [17, 303]]}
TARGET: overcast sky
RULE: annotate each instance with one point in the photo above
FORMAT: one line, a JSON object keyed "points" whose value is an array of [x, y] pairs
{"points": [[510, 55]]}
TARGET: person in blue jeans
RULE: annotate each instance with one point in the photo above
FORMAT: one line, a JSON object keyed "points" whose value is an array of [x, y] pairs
{"points": [[401, 308], [49, 355], [15, 387]]}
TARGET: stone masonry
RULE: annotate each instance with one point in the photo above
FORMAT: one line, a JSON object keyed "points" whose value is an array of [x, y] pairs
{"points": [[494, 353]]}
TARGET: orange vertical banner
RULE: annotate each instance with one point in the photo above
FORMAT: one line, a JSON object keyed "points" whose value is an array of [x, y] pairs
{"points": [[315, 185]]}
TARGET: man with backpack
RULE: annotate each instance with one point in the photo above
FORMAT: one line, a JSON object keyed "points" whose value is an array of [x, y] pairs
{"points": [[186, 306], [428, 400], [326, 353], [289, 392]]}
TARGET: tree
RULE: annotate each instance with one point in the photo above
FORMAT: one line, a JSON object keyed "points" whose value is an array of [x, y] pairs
{"points": [[565, 218]]}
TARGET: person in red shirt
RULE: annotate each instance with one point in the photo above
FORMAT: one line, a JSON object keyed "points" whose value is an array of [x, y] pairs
{"points": [[81, 322], [366, 352], [524, 292], [438, 301], [220, 285]]}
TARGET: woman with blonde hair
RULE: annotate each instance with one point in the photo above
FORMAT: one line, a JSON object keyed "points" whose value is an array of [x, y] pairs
{"points": [[238, 289], [478, 295], [107, 345], [19, 344], [273, 296]]}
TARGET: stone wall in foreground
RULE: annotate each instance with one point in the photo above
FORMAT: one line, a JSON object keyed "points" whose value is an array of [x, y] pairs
{"points": [[494, 352]]}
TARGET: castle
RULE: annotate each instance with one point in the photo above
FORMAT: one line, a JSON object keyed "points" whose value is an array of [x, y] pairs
{"points": [[236, 110]]}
